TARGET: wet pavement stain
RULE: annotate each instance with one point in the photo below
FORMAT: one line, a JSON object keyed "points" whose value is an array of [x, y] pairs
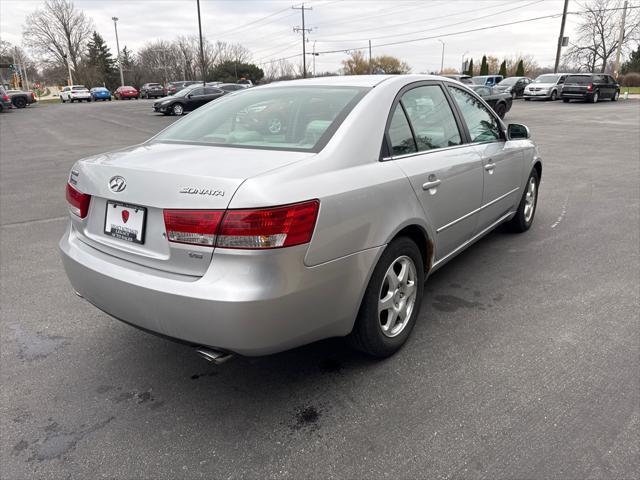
{"points": [[57, 442], [36, 346], [104, 389], [451, 303], [307, 418], [196, 376]]}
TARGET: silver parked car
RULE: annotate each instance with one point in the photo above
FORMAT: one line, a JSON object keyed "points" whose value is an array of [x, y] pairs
{"points": [[547, 86], [238, 238]]}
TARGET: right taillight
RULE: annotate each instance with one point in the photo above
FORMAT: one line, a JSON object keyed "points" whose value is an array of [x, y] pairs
{"points": [[590, 87], [260, 228], [78, 201]]}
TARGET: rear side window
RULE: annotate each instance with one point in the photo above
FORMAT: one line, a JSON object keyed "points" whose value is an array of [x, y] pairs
{"points": [[579, 79], [483, 127], [430, 115], [400, 135]]}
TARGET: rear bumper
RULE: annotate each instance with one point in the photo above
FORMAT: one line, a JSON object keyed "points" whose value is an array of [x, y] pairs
{"points": [[251, 304], [576, 95]]}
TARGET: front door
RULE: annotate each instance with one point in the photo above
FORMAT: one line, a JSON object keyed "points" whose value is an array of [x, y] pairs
{"points": [[446, 175], [502, 161]]}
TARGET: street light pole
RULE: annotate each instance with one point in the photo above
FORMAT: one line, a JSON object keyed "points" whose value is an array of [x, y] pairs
{"points": [[115, 26], [442, 60], [462, 62], [204, 80]]}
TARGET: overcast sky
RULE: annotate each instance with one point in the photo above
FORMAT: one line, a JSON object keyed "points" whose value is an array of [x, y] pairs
{"points": [[336, 24]]}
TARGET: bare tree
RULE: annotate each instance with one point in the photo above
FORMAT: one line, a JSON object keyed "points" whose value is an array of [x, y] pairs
{"points": [[598, 34], [58, 31]]}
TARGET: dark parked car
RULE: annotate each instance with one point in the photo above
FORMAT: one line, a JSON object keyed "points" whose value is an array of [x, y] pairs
{"points": [[513, 85], [149, 90], [5, 101], [187, 99], [21, 99], [175, 87], [500, 101], [100, 93], [466, 79], [590, 87]]}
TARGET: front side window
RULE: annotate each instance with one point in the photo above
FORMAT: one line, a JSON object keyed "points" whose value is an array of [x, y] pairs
{"points": [[483, 127], [431, 117], [296, 118]]}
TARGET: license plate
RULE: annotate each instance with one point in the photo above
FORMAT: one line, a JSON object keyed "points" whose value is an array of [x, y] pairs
{"points": [[125, 222]]}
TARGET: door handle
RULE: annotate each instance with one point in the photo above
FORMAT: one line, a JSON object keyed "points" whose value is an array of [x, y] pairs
{"points": [[489, 166], [431, 184]]}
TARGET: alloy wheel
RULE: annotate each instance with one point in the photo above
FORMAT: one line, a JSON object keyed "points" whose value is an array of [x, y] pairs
{"points": [[530, 199], [397, 296]]}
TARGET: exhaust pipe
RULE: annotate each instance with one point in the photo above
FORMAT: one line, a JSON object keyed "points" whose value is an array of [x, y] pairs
{"points": [[213, 356]]}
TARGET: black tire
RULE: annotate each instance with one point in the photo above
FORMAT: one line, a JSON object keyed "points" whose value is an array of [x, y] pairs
{"points": [[616, 94], [527, 99], [20, 102], [61, 99], [367, 335], [177, 109], [554, 96], [595, 97], [523, 221], [565, 100], [501, 110]]}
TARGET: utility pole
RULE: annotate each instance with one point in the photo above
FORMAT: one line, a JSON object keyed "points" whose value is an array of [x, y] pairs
{"points": [[462, 65], [442, 60], [314, 58], [204, 80], [558, 51], [370, 64], [304, 31], [616, 66], [115, 26]]}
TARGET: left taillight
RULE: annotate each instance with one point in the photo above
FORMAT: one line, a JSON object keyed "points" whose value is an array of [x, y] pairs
{"points": [[590, 87], [78, 201]]}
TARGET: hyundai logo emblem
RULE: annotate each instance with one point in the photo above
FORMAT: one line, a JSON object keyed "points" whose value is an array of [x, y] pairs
{"points": [[117, 184]]}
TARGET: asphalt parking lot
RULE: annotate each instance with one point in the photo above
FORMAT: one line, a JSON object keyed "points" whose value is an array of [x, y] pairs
{"points": [[524, 362]]}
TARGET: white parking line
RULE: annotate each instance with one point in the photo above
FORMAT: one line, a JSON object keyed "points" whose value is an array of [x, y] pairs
{"points": [[563, 212]]}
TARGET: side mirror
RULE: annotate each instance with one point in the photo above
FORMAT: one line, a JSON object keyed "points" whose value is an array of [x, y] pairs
{"points": [[516, 131], [190, 95]]}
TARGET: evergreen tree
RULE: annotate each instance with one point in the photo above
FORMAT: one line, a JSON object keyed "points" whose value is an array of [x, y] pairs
{"points": [[484, 66], [503, 69], [520, 69], [633, 64], [100, 61], [470, 70]]}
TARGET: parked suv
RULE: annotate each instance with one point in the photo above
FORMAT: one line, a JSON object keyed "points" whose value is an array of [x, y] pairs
{"points": [[151, 90], [75, 93], [175, 87], [547, 86], [590, 87]]}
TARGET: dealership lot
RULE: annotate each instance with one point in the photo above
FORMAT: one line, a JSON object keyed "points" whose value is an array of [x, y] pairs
{"points": [[523, 363]]}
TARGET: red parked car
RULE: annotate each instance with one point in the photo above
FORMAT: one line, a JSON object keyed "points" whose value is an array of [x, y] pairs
{"points": [[126, 92]]}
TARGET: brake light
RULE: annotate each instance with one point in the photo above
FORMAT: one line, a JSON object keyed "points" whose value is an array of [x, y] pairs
{"points": [[78, 201], [269, 227], [589, 87], [195, 227], [5, 98], [259, 228]]}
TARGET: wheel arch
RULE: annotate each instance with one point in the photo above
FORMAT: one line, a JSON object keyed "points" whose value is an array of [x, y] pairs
{"points": [[421, 238]]}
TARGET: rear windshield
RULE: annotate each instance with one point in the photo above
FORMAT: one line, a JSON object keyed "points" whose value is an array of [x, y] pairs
{"points": [[579, 79], [509, 81], [155, 85], [296, 118], [78, 88]]}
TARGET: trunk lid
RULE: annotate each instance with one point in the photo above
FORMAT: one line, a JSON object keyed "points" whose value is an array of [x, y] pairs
{"points": [[160, 176]]}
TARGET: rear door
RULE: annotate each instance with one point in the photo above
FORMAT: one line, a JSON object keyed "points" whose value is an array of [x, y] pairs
{"points": [[424, 137], [502, 161]]}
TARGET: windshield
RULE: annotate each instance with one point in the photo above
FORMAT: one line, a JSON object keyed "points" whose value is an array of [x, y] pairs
{"points": [[296, 118], [479, 80], [579, 79], [509, 81], [547, 79], [184, 92]]}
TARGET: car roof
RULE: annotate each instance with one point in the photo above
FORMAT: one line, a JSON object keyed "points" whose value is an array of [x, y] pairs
{"points": [[353, 80]]}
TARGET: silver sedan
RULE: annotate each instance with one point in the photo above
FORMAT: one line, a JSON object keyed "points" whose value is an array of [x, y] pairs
{"points": [[294, 212]]}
